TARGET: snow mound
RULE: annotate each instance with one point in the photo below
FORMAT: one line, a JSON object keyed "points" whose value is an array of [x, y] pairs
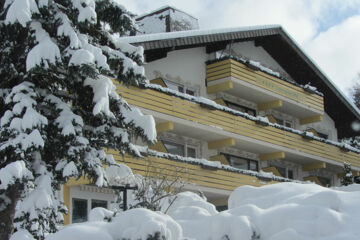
{"points": [[200, 220], [100, 214], [298, 211], [133, 224], [22, 235], [187, 205]]}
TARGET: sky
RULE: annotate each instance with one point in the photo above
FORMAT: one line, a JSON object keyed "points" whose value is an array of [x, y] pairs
{"points": [[327, 30]]}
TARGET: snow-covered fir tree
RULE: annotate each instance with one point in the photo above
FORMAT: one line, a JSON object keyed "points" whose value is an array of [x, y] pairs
{"points": [[58, 104], [348, 176]]}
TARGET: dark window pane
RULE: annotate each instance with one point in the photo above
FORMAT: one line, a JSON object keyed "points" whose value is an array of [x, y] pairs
{"points": [[174, 148], [222, 208], [240, 108], [180, 89], [191, 152], [98, 203], [253, 165], [190, 92], [325, 181], [79, 210], [290, 174], [239, 162], [323, 135], [282, 171]]}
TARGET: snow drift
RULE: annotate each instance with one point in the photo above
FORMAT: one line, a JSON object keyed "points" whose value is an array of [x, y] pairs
{"points": [[275, 212]]}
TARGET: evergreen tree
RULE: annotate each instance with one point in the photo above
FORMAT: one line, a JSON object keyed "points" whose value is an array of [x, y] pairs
{"points": [[355, 92], [59, 107], [348, 177]]}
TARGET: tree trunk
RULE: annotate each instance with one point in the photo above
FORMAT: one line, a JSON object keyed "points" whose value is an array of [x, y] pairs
{"points": [[7, 215]]}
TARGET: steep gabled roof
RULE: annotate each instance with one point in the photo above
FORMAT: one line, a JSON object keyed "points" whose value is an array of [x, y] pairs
{"points": [[275, 40]]}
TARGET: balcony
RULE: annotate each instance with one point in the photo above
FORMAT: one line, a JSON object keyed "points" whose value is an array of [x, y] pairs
{"points": [[191, 173], [237, 79], [191, 119]]}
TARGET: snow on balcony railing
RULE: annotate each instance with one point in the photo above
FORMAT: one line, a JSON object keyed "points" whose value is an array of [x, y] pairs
{"points": [[262, 120], [214, 165]]}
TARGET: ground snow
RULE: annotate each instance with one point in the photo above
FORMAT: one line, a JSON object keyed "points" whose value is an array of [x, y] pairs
{"points": [[281, 211], [22, 235]]}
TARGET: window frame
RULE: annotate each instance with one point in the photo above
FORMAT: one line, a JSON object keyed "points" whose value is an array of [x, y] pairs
{"points": [[247, 109], [282, 122], [73, 205], [228, 156], [185, 147], [178, 85]]}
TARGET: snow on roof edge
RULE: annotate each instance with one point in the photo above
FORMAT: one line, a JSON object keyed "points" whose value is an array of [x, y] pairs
{"points": [[322, 72], [191, 33], [163, 8]]}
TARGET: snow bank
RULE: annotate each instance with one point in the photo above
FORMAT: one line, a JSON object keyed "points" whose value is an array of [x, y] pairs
{"points": [[298, 211], [200, 220], [133, 224], [22, 235], [284, 211]]}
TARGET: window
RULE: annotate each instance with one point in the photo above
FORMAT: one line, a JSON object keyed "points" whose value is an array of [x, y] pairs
{"points": [[323, 135], [180, 149], [324, 181], [241, 108], [285, 172], [221, 208], [181, 88], [98, 203], [79, 210], [242, 163], [286, 123]]}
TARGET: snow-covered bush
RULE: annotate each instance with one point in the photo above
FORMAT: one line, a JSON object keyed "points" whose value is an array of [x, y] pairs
{"points": [[134, 224], [59, 108]]}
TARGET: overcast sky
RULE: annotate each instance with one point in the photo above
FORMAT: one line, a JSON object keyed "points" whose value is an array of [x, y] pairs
{"points": [[327, 30]]}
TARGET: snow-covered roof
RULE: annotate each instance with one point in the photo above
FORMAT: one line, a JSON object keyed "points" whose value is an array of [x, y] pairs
{"points": [[272, 38], [192, 33]]}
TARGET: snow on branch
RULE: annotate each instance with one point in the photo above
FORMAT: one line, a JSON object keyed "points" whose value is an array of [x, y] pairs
{"points": [[65, 29], [15, 171], [86, 10], [66, 118], [103, 88], [146, 122], [21, 11], [45, 52]]}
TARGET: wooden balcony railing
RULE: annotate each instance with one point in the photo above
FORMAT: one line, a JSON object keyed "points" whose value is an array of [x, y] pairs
{"points": [[184, 109], [235, 69]]}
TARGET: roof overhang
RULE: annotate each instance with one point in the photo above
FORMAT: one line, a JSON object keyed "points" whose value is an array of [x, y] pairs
{"points": [[277, 43]]}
